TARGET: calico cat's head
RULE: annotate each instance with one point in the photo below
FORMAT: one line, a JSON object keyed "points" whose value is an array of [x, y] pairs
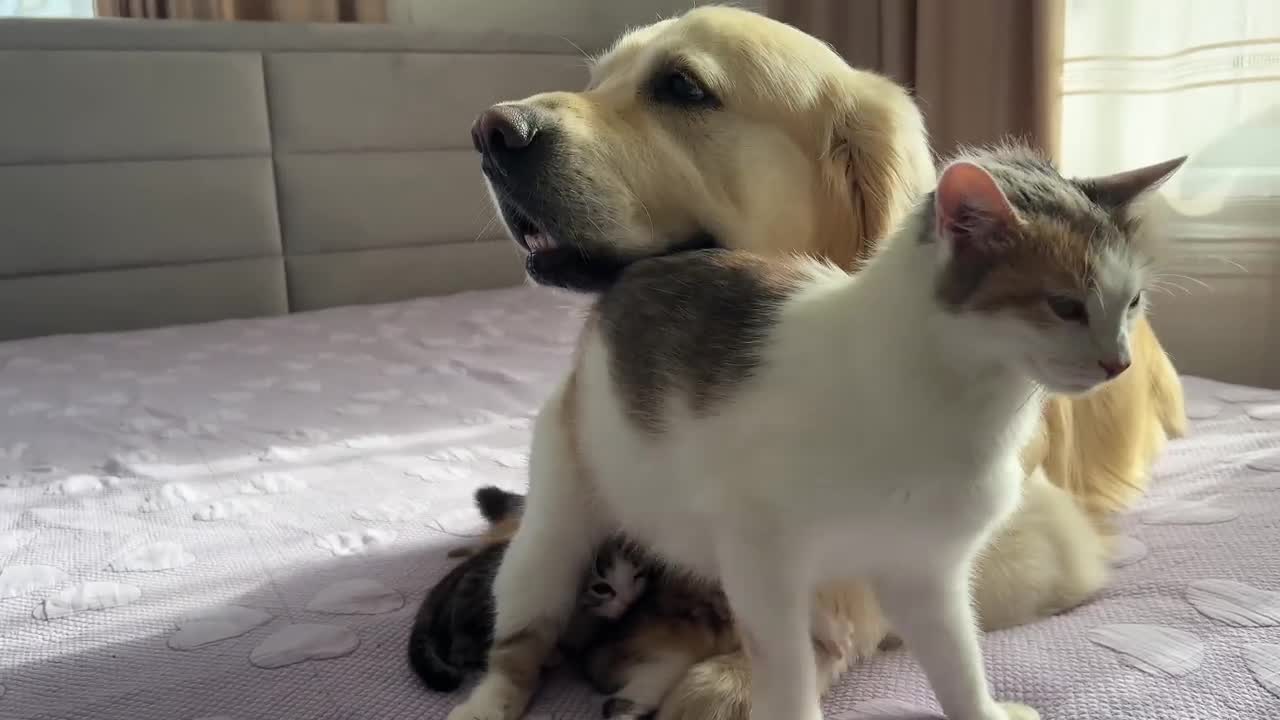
{"points": [[1050, 271], [617, 579]]}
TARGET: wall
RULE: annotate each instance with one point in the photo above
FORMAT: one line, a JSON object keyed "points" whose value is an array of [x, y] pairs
{"points": [[589, 24]]}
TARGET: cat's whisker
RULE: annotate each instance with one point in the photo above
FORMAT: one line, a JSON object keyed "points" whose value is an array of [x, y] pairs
{"points": [[1036, 390], [1224, 260], [1199, 257], [585, 55], [1188, 278], [1167, 284], [492, 219]]}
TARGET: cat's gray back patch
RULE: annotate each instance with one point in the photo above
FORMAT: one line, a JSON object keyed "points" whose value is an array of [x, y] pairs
{"points": [[690, 326]]}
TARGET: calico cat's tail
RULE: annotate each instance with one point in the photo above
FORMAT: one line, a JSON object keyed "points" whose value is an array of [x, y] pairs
{"points": [[497, 505], [502, 510]]}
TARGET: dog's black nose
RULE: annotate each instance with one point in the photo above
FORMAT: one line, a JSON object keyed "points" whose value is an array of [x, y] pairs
{"points": [[503, 129]]}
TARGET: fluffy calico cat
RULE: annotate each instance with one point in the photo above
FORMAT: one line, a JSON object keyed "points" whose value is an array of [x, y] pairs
{"points": [[454, 626], [777, 427]]}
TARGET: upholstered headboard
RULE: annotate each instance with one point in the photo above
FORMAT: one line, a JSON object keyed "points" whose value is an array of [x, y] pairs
{"points": [[159, 172]]}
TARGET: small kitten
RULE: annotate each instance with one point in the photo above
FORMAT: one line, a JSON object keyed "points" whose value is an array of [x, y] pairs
{"points": [[778, 426], [677, 622], [454, 626]]}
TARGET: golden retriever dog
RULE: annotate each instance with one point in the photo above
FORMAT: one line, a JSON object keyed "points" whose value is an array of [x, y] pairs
{"points": [[721, 127]]}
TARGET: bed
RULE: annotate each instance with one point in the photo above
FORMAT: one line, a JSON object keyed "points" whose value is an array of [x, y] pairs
{"points": [[238, 519]]}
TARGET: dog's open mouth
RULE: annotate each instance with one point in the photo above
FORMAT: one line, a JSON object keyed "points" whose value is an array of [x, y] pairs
{"points": [[529, 233], [569, 264], [539, 242], [550, 261]]}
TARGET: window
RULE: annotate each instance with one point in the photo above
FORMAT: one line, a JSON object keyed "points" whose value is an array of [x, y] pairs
{"points": [[46, 8], [1147, 80]]}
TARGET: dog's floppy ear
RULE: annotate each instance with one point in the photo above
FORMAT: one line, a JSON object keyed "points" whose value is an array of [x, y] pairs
{"points": [[879, 161]]}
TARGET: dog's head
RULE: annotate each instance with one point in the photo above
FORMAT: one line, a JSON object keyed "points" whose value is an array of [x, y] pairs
{"points": [[716, 128]]}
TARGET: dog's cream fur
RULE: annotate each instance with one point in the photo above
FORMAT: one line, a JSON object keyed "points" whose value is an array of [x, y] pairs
{"points": [[809, 155]]}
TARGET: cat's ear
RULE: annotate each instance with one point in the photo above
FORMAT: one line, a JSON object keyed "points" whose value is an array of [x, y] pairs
{"points": [[969, 207], [1117, 191]]}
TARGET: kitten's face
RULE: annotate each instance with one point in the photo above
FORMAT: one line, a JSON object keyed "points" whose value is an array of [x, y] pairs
{"points": [[1046, 270], [615, 584]]}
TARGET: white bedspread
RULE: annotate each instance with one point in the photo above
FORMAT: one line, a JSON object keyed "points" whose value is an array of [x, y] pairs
{"points": [[238, 520]]}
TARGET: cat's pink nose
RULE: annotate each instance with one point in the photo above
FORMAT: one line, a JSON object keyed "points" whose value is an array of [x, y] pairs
{"points": [[1113, 367]]}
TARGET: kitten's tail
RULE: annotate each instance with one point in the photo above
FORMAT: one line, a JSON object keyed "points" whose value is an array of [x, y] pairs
{"points": [[497, 505], [427, 664], [424, 657]]}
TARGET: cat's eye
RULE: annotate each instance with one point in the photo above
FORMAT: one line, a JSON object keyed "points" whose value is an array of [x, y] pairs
{"points": [[638, 576], [1137, 299], [1067, 308], [602, 589]]}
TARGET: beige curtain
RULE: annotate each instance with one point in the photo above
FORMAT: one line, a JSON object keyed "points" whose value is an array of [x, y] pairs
{"points": [[320, 11], [980, 69]]}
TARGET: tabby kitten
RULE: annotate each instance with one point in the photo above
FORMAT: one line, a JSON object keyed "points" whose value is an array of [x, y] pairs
{"points": [[454, 625]]}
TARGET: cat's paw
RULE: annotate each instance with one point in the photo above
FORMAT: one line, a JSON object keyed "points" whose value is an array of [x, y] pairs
{"points": [[1017, 711], [473, 711], [616, 708], [480, 706]]}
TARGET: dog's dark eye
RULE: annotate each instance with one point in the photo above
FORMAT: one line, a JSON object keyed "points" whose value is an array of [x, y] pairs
{"points": [[679, 87], [1133, 304], [1069, 309], [602, 589]]}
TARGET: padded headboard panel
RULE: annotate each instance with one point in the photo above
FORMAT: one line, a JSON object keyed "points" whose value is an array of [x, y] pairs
{"points": [[154, 173]]}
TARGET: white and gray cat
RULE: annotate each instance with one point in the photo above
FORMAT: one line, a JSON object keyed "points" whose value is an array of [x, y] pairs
{"points": [[776, 426]]}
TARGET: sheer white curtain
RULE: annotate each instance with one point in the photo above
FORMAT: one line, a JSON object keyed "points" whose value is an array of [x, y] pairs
{"points": [[1147, 80], [46, 8]]}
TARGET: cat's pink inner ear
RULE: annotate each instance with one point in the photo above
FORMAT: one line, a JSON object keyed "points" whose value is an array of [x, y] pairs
{"points": [[967, 194]]}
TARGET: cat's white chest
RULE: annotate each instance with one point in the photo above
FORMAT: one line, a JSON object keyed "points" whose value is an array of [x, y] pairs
{"points": [[834, 484]]}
